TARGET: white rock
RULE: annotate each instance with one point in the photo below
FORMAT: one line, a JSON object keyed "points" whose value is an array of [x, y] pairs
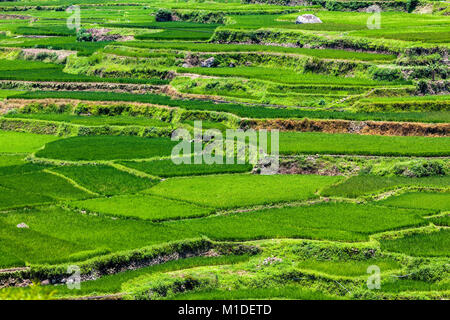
{"points": [[208, 63], [23, 226], [372, 9], [307, 18]]}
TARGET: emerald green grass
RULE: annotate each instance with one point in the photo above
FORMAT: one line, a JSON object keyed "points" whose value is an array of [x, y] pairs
{"points": [[57, 43], [405, 104], [398, 286], [19, 169], [43, 183], [441, 221], [8, 259], [395, 23], [92, 120], [166, 168], [440, 98], [286, 292], [225, 191], [333, 221], [14, 65], [10, 198], [317, 142], [239, 109], [283, 76], [9, 93], [29, 245], [217, 47], [143, 206], [40, 71], [209, 125], [68, 224], [177, 35], [56, 235], [105, 180], [11, 160], [369, 184], [20, 142], [431, 36], [437, 34], [49, 30], [350, 268], [107, 148], [426, 244], [112, 283], [420, 200]]}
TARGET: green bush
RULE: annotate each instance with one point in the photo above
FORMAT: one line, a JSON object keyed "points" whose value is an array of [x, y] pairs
{"points": [[163, 15], [421, 169], [385, 74], [411, 5], [202, 16], [84, 36]]}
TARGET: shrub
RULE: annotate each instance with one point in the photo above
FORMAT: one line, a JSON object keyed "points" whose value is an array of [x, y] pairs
{"points": [[420, 169], [411, 5], [426, 169], [385, 74], [33, 292], [163, 15], [422, 86], [84, 36]]}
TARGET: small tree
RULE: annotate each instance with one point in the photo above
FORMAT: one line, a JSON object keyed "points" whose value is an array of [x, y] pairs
{"points": [[84, 36], [163, 15], [411, 5]]}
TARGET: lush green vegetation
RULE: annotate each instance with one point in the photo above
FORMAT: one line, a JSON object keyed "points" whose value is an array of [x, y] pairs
{"points": [[412, 285], [18, 142], [107, 148], [166, 168], [223, 191], [20, 168], [340, 221], [315, 142], [238, 109], [143, 206], [427, 244], [91, 120], [281, 76], [348, 268], [441, 220], [11, 160], [402, 104], [370, 184], [56, 235], [284, 292], [11, 199], [42, 183], [112, 283], [217, 47], [105, 180], [419, 200], [87, 179], [40, 71]]}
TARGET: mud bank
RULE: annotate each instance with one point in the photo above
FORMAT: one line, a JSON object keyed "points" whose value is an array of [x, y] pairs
{"points": [[384, 128]]}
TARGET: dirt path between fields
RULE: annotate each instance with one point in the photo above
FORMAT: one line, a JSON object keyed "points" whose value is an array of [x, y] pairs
{"points": [[294, 55], [116, 296], [84, 86], [384, 128], [14, 269]]}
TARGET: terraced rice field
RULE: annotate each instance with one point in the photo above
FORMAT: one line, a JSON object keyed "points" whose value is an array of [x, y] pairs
{"points": [[90, 172]]}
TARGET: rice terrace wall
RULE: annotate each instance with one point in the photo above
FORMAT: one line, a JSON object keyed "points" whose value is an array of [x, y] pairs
{"points": [[341, 190]]}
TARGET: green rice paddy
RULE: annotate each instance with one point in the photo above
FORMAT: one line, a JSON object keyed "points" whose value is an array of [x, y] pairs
{"points": [[87, 177]]}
